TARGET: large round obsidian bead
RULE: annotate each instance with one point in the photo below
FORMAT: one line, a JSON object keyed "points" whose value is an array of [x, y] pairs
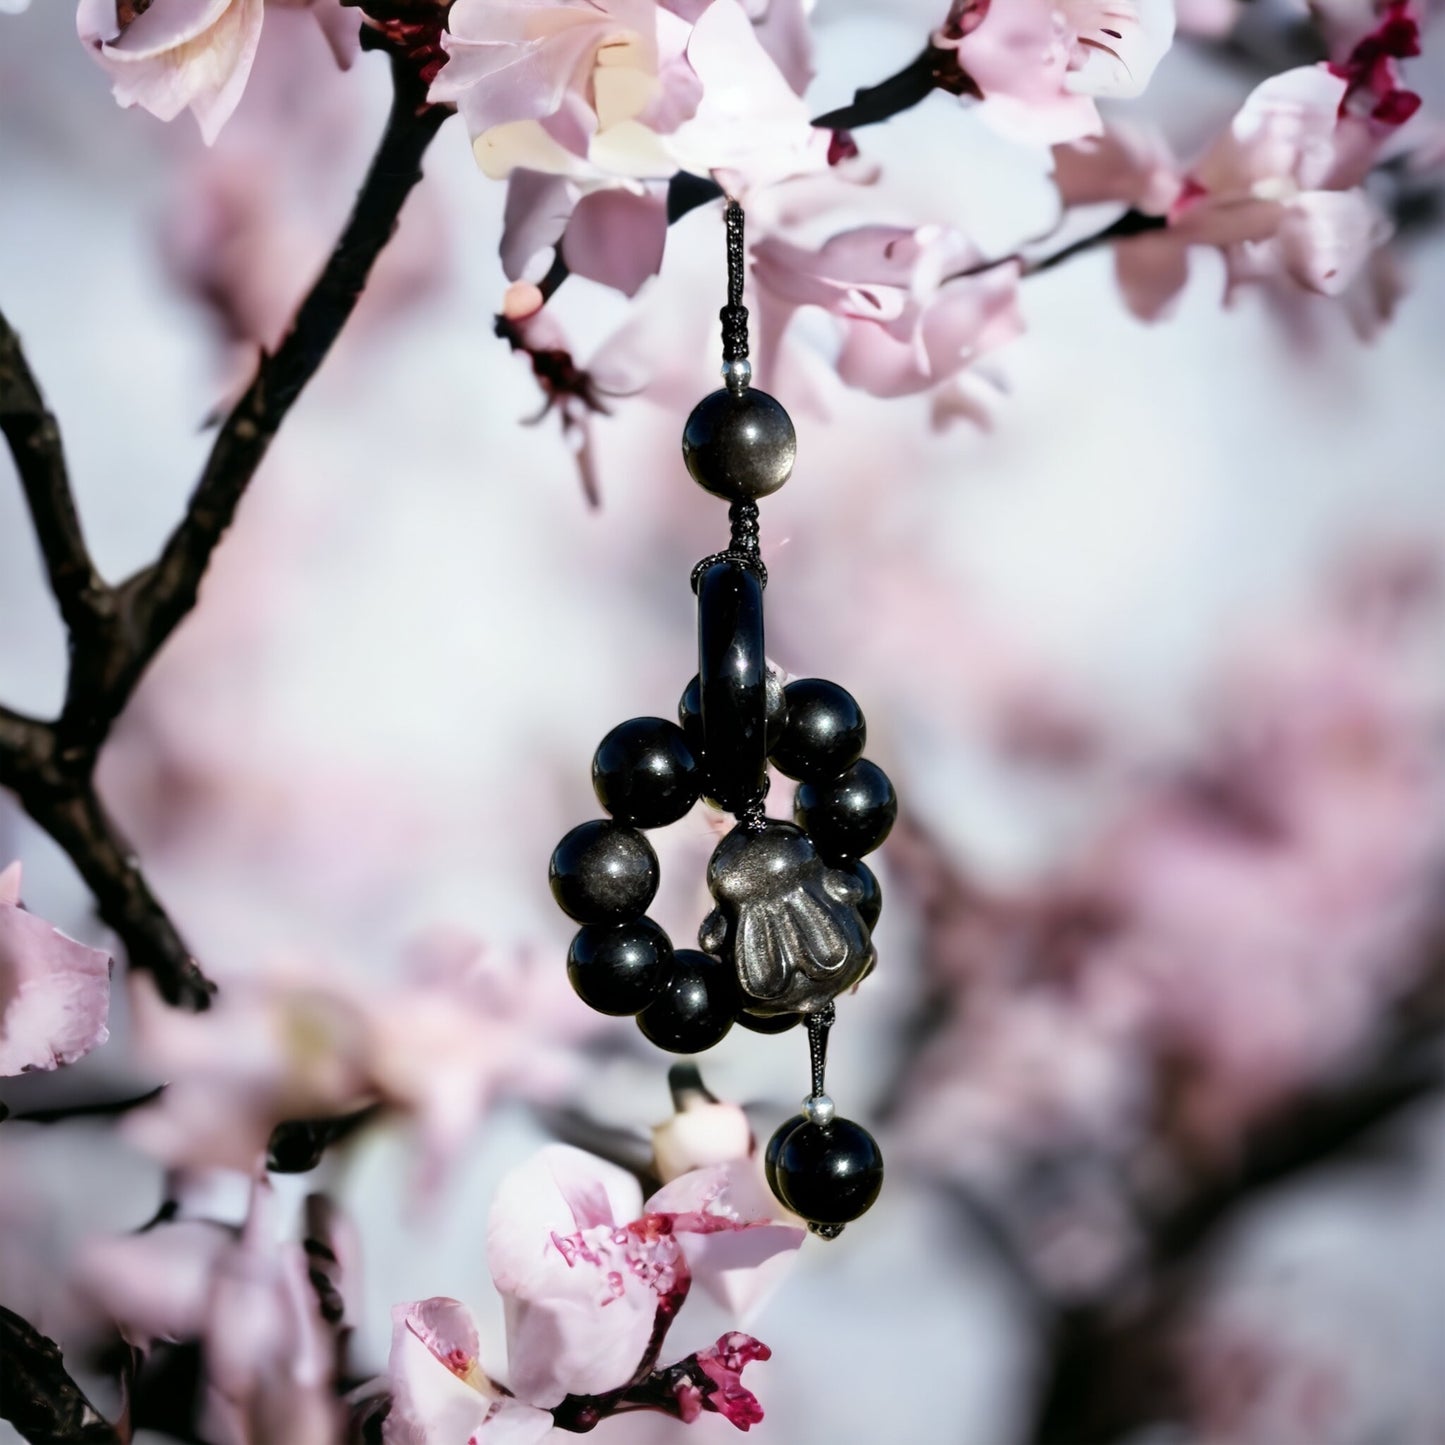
{"points": [[645, 773], [775, 1145], [825, 732], [849, 816], [603, 872], [696, 1007], [828, 1173], [619, 968], [870, 906], [741, 447]]}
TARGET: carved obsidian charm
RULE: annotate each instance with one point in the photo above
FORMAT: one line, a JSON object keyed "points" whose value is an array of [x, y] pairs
{"points": [[795, 904], [790, 926]]}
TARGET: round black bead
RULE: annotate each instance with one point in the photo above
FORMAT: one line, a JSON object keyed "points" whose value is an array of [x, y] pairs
{"points": [[825, 732], [696, 1007], [619, 968], [645, 773], [849, 816], [870, 907], [769, 1023], [775, 1145], [689, 711], [741, 447], [828, 1173], [603, 872]]}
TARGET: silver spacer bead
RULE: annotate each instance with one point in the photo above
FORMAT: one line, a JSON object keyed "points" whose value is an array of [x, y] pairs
{"points": [[738, 375], [819, 1109]]}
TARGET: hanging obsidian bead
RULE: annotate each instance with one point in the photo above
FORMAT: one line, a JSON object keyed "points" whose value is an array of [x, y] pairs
{"points": [[794, 907], [603, 872], [645, 773], [849, 815], [825, 731], [696, 1007], [619, 968], [829, 1173]]}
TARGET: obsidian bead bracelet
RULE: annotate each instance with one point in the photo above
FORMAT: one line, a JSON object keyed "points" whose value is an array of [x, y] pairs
{"points": [[795, 905]]}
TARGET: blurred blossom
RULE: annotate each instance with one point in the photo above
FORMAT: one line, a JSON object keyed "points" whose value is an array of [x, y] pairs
{"points": [[1037, 66], [174, 55], [1279, 193], [913, 314], [294, 1042], [1225, 944], [54, 992], [246, 1297]]}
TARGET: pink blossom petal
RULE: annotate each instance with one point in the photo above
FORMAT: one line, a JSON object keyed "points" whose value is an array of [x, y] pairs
{"points": [[1327, 236], [54, 992], [703, 1132], [1018, 56], [750, 129], [538, 209], [581, 1291], [177, 54], [1129, 165], [154, 1285], [439, 1389], [1117, 44], [616, 237], [739, 1244], [1285, 131], [1152, 270]]}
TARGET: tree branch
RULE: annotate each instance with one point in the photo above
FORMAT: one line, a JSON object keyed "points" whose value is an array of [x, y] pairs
{"points": [[34, 441], [116, 632], [38, 1396]]}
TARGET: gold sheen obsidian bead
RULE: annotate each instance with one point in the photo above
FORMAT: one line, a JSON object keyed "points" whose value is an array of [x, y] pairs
{"points": [[739, 446]]}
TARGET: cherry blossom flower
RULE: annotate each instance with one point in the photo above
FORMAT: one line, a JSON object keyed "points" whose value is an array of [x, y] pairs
{"points": [[591, 108], [912, 316], [591, 1278], [54, 992], [297, 1043], [196, 55], [1279, 194], [1037, 66]]}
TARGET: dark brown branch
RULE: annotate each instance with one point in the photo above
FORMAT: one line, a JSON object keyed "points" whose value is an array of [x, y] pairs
{"points": [[116, 633], [34, 441], [38, 1396], [934, 68]]}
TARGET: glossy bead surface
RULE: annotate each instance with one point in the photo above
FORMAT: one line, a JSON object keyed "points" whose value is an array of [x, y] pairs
{"points": [[828, 1173], [775, 1145], [739, 445], [696, 1007], [732, 673], [619, 968], [870, 906], [849, 816], [825, 731], [775, 711], [645, 773], [603, 872]]}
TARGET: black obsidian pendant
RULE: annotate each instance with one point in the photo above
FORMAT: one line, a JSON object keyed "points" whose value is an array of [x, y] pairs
{"points": [[795, 906]]}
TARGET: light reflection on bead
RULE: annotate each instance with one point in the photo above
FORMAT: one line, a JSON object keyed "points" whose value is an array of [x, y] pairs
{"points": [[737, 374]]}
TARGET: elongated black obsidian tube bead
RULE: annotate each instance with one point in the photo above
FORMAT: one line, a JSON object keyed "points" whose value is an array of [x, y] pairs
{"points": [[733, 673]]}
